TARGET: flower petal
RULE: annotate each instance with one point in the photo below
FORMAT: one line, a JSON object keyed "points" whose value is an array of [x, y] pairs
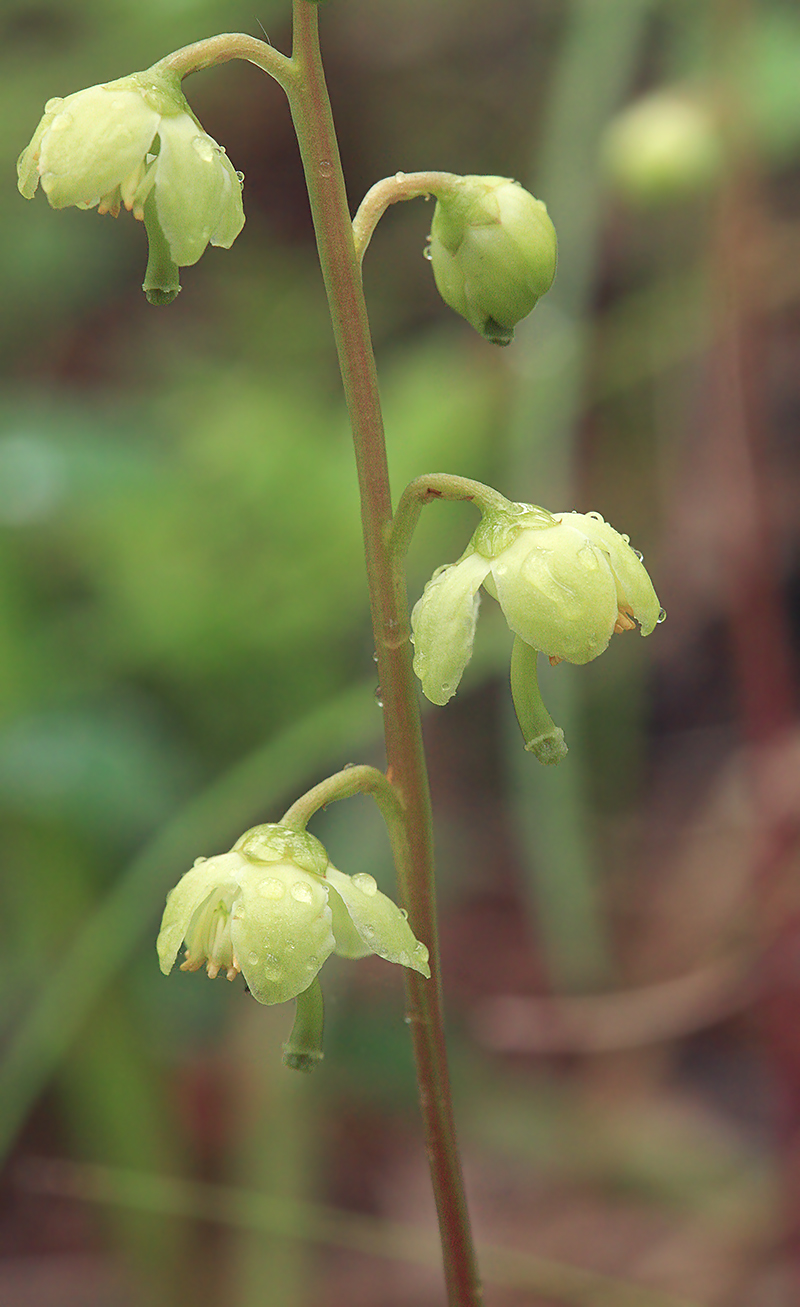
{"points": [[634, 587], [281, 929], [94, 141], [378, 921], [557, 592], [443, 625], [192, 890], [194, 192]]}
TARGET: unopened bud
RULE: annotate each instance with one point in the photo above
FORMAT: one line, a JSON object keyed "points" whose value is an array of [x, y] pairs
{"points": [[493, 251]]}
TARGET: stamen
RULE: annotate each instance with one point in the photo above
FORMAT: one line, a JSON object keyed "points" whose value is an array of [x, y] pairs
{"points": [[624, 622]]}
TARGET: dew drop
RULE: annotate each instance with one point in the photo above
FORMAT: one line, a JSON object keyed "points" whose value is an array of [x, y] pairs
{"points": [[404, 914], [662, 616], [252, 958], [427, 254], [399, 176], [375, 656], [204, 147], [366, 883], [639, 554], [312, 963], [53, 104], [379, 696], [627, 539], [272, 888], [240, 178], [325, 167], [198, 861], [301, 892]]}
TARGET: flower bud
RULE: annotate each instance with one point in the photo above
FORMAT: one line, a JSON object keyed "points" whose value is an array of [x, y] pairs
{"points": [[664, 147], [493, 253], [274, 909], [135, 142]]}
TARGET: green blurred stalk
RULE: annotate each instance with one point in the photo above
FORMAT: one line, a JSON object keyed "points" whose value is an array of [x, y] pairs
{"points": [[274, 1149], [114, 1109], [594, 73]]}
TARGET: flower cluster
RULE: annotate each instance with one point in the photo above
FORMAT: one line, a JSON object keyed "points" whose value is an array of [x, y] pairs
{"points": [[273, 909], [135, 142]]}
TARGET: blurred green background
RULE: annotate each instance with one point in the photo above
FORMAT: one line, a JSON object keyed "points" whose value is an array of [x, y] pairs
{"points": [[185, 646]]}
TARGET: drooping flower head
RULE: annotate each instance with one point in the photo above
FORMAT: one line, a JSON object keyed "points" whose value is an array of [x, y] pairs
{"points": [[135, 142], [565, 583], [273, 909], [493, 253]]}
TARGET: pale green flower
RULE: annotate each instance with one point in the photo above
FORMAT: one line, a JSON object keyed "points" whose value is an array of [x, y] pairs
{"points": [[663, 147], [565, 582], [493, 252], [135, 142], [274, 909]]}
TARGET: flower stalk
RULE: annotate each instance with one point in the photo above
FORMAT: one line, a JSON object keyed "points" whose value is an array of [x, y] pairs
{"points": [[310, 108]]}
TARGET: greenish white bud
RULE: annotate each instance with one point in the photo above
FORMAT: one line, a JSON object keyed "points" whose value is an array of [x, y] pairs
{"points": [[664, 147], [273, 909], [565, 582], [136, 143], [493, 251]]}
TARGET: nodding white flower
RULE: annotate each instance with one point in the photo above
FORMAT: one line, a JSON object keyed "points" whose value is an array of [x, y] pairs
{"points": [[273, 909], [565, 582], [135, 142], [493, 252]]}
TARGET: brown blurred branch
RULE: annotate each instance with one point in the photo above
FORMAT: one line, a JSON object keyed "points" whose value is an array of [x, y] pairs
{"points": [[603, 1023]]}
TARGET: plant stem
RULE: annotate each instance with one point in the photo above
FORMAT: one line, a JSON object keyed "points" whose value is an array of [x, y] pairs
{"points": [[311, 112], [221, 49], [346, 784], [391, 190]]}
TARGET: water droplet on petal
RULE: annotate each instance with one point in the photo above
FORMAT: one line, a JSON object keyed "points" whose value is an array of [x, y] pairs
{"points": [[366, 883], [379, 696], [252, 959], [404, 914], [662, 616], [198, 861], [639, 554], [272, 888], [426, 253], [204, 147], [325, 168], [301, 892]]}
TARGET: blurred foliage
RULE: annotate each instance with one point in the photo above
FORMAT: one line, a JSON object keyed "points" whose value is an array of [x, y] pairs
{"points": [[181, 577]]}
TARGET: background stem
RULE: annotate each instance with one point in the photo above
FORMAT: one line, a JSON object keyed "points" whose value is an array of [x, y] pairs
{"points": [[310, 107]]}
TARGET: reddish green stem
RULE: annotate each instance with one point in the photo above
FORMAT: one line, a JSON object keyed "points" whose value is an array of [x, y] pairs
{"points": [[310, 107]]}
